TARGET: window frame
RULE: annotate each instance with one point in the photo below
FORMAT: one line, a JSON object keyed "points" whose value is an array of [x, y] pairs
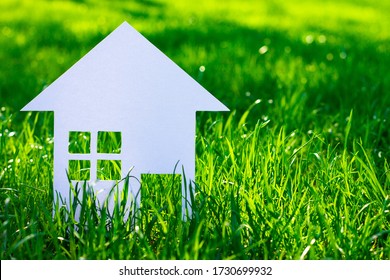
{"points": [[93, 156]]}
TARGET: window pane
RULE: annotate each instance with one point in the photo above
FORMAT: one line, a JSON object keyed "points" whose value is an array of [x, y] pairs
{"points": [[109, 142], [79, 170], [79, 142], [109, 169]]}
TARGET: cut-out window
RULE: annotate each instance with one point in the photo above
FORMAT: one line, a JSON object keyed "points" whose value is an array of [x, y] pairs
{"points": [[109, 169], [79, 142], [79, 170], [97, 150], [109, 142]]}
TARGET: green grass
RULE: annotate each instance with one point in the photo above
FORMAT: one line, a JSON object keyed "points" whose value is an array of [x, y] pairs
{"points": [[298, 170]]}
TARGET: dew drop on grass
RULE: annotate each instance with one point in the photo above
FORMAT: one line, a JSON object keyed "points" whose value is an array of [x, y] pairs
{"points": [[317, 156], [343, 55], [11, 134], [202, 68], [329, 56]]}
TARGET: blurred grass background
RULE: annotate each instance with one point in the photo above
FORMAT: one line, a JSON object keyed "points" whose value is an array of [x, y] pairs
{"points": [[335, 53]]}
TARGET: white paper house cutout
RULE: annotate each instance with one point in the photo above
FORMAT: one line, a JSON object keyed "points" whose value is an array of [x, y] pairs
{"points": [[126, 85]]}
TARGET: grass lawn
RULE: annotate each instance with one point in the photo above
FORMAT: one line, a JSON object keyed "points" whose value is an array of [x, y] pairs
{"points": [[299, 169]]}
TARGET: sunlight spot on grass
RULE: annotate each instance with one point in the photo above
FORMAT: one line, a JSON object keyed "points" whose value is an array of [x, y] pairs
{"points": [[61, 238], [11, 134], [304, 253], [202, 69], [20, 40], [263, 50], [228, 182], [257, 101], [343, 55], [6, 32], [309, 39], [329, 56], [287, 50], [247, 94], [270, 101], [322, 39], [311, 68]]}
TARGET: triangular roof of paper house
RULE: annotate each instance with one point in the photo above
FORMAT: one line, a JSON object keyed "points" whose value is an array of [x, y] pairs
{"points": [[124, 73]]}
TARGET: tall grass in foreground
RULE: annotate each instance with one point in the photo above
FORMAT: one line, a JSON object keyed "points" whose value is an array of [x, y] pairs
{"points": [[261, 193]]}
